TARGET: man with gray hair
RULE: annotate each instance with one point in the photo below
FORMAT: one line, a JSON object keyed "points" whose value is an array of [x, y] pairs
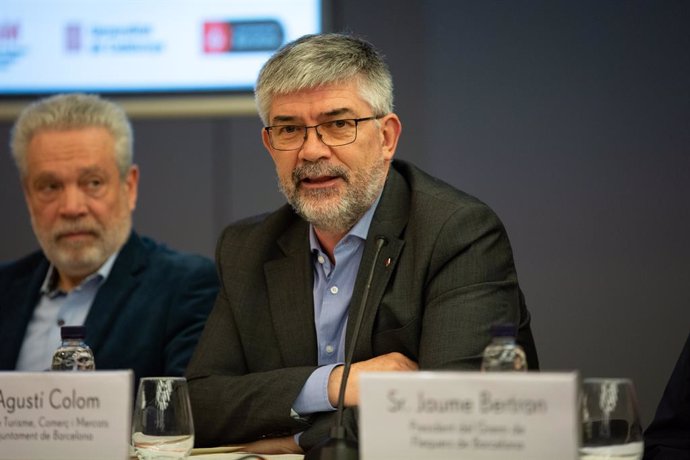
{"points": [[143, 305], [427, 267]]}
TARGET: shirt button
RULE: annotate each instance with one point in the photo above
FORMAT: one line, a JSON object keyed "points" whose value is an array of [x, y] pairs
{"points": [[329, 349], [334, 290], [61, 322], [321, 259]]}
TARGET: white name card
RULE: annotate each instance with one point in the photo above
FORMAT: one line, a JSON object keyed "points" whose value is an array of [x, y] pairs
{"points": [[469, 415], [65, 415]]}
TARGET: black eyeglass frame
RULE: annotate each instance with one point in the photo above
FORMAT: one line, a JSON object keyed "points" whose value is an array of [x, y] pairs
{"points": [[357, 121]]}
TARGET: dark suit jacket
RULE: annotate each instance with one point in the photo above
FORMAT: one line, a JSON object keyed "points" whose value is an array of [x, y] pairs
{"points": [[147, 316], [668, 436], [450, 277]]}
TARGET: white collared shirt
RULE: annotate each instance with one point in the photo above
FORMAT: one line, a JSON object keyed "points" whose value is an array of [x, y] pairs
{"points": [[332, 291], [55, 309]]}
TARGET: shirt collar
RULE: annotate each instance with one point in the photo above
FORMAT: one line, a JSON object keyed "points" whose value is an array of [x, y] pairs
{"points": [[49, 286], [360, 229]]}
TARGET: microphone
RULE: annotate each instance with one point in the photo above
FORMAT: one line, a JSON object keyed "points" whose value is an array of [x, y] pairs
{"points": [[336, 446]]}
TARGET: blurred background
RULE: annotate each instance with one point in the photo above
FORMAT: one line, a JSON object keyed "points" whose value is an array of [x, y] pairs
{"points": [[570, 119]]}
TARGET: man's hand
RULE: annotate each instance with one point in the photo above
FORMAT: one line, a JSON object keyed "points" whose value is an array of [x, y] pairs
{"points": [[273, 446], [394, 362]]}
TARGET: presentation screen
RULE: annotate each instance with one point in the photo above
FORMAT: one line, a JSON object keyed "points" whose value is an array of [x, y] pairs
{"points": [[144, 46]]}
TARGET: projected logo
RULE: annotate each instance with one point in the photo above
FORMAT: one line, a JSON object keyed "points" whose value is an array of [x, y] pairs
{"points": [[9, 32], [73, 38], [238, 36], [11, 47]]}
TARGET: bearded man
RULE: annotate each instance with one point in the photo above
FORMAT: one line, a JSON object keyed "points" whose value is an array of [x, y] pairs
{"points": [[144, 305], [267, 370]]}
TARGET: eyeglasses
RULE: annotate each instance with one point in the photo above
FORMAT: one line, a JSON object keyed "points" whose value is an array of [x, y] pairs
{"points": [[333, 133]]}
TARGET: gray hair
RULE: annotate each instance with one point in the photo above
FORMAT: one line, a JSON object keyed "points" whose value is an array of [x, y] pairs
{"points": [[70, 111], [316, 60]]}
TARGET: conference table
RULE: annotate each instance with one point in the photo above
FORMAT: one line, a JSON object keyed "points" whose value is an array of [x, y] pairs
{"points": [[238, 455], [234, 453]]}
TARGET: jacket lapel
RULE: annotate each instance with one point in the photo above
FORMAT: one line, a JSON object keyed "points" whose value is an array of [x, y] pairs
{"points": [[22, 298], [112, 294], [289, 281], [389, 222]]}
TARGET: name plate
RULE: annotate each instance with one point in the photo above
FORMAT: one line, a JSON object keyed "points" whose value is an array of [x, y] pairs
{"points": [[65, 415], [469, 415]]}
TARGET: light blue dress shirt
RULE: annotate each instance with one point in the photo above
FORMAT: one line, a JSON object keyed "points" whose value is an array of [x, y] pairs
{"points": [[333, 287], [55, 309]]}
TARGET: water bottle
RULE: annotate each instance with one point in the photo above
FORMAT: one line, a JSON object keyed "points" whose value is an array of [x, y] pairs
{"points": [[73, 354], [503, 354]]}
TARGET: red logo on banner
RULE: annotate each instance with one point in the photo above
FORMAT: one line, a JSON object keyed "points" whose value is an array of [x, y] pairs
{"points": [[9, 32], [217, 37]]}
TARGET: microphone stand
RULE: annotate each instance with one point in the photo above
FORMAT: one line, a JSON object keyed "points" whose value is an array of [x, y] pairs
{"points": [[336, 446]]}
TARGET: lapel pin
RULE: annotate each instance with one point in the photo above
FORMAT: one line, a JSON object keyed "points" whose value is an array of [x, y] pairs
{"points": [[387, 262]]}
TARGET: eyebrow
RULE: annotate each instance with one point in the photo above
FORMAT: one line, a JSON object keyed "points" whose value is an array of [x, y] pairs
{"points": [[91, 171], [50, 175], [329, 114], [340, 111]]}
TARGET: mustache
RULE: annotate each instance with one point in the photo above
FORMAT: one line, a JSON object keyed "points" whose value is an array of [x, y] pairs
{"points": [[318, 169], [69, 228]]}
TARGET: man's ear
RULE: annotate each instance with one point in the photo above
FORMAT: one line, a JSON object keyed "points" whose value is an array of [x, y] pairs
{"points": [[266, 141], [27, 193], [390, 134], [132, 184]]}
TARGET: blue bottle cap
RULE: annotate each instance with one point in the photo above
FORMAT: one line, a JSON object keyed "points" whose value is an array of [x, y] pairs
{"points": [[503, 330], [72, 332]]}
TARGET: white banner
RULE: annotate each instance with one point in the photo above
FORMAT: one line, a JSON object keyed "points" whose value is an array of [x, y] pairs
{"points": [[152, 45]]}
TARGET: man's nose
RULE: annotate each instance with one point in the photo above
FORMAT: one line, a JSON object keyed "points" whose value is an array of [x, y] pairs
{"points": [[313, 148], [72, 202]]}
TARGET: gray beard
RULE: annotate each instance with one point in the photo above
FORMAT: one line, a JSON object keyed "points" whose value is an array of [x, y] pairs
{"points": [[361, 189], [83, 260]]}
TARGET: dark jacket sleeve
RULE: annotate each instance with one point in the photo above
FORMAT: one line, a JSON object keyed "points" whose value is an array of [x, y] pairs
{"points": [[231, 404], [235, 398], [668, 436], [194, 298]]}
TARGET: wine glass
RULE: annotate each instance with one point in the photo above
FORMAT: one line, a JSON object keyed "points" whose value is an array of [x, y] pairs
{"points": [[610, 420], [162, 425]]}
